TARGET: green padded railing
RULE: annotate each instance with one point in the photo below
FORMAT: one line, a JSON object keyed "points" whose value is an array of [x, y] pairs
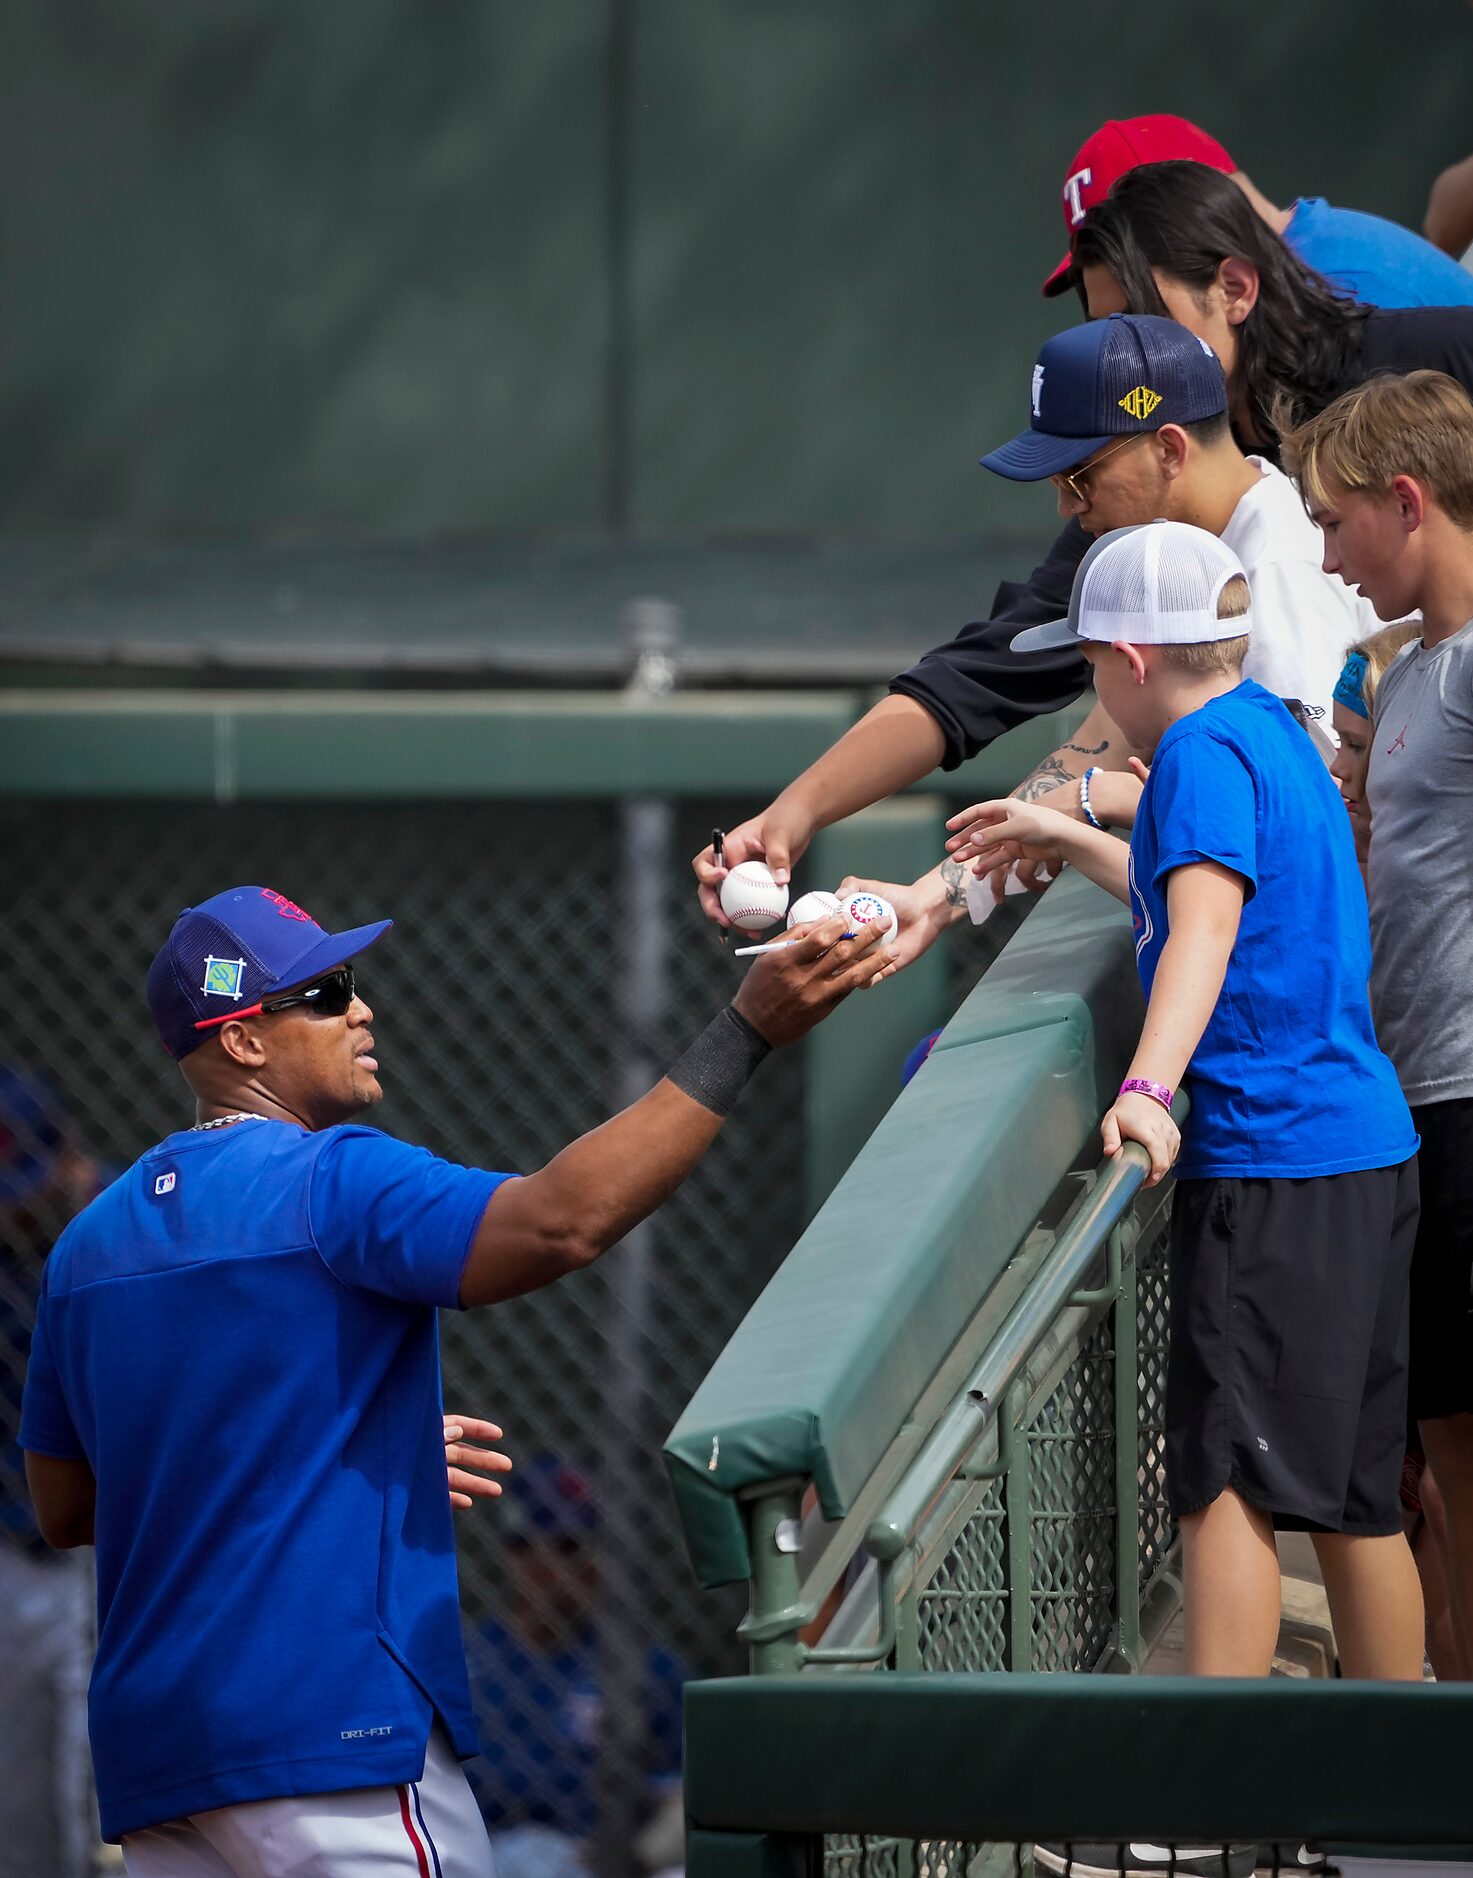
{"points": [[965, 1354], [954, 1765]]}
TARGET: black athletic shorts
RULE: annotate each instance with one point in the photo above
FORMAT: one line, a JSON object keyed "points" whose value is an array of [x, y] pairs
{"points": [[1442, 1265], [1288, 1373]]}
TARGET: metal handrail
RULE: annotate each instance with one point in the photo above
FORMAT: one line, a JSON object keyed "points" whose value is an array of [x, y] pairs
{"points": [[783, 1601], [1091, 1225]]}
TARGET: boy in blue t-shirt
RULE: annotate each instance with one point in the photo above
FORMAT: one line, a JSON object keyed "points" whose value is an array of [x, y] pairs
{"points": [[1296, 1198]]}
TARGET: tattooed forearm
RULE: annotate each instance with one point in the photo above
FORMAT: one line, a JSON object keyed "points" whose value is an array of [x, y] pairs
{"points": [[954, 877], [1049, 775]]}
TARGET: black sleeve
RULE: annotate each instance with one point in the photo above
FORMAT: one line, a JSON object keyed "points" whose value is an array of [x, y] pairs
{"points": [[1412, 339], [976, 687]]}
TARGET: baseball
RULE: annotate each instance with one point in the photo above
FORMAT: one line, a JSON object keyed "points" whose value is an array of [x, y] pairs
{"points": [[751, 899], [811, 906], [868, 909]]}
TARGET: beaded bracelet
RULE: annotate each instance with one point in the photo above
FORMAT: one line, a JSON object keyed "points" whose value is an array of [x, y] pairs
{"points": [[1139, 1085], [1089, 814]]}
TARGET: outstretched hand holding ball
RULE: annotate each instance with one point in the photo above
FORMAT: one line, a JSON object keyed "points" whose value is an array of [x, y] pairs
{"points": [[751, 899], [868, 909]]}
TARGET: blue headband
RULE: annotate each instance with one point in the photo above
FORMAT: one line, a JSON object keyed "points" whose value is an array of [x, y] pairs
{"points": [[1350, 686]]}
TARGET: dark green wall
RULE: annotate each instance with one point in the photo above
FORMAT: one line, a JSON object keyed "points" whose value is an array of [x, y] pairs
{"points": [[382, 263]]}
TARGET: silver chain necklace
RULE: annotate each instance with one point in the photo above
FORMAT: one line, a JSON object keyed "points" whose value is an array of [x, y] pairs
{"points": [[224, 1121]]}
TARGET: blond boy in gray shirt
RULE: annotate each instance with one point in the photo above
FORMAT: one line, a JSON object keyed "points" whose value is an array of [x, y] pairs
{"points": [[1387, 472]]}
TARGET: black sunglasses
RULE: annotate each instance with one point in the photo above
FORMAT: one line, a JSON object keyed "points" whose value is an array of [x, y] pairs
{"points": [[328, 996]]}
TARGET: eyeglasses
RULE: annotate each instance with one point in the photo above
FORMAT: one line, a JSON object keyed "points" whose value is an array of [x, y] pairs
{"points": [[1073, 480], [329, 996]]}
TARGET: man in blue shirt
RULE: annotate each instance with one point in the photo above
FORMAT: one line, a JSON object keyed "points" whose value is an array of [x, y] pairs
{"points": [[234, 1392], [1363, 256]]}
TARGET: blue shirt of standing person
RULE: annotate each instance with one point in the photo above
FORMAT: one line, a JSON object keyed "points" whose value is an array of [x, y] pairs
{"points": [[1373, 260], [1238, 783], [234, 1391]]}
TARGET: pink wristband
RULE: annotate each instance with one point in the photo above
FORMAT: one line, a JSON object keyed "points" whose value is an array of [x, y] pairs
{"points": [[1138, 1085]]}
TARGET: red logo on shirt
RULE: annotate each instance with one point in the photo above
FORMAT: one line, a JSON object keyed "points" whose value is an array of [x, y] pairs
{"points": [[288, 909], [1401, 741]]}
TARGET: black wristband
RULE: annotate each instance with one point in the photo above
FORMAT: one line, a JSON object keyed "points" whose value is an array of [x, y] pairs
{"points": [[719, 1064]]}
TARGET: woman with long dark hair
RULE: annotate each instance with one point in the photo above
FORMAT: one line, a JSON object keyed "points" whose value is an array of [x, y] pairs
{"points": [[1181, 240]]}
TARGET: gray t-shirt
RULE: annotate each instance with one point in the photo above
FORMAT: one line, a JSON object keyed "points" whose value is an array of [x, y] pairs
{"points": [[1420, 792]]}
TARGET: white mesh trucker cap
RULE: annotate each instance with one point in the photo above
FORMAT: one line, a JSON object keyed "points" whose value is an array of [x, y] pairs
{"points": [[1156, 585]]}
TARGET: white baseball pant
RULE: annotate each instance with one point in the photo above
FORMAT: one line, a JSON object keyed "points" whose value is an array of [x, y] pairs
{"points": [[429, 1828]]}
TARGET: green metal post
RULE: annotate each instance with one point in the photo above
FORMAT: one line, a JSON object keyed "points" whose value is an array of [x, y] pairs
{"points": [[775, 1580], [907, 1625], [1127, 1458], [907, 1658], [854, 1059], [1017, 1499]]}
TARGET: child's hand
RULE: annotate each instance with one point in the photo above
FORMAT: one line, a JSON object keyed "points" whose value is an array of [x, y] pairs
{"points": [[1028, 828], [1138, 1118]]}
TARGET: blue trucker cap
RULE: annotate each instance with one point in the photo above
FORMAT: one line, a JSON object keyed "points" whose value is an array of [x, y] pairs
{"points": [[1110, 378], [228, 953]]}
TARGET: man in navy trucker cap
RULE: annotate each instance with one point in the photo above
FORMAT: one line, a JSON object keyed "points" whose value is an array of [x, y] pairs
{"points": [[234, 1392], [1128, 422]]}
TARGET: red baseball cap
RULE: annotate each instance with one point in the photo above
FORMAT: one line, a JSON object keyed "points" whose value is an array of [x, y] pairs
{"points": [[1121, 145]]}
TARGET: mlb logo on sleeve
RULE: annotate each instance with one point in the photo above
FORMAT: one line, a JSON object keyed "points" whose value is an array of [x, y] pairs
{"points": [[165, 1183]]}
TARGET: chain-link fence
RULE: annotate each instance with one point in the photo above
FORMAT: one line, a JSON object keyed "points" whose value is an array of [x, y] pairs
{"points": [[1073, 1510], [499, 1030]]}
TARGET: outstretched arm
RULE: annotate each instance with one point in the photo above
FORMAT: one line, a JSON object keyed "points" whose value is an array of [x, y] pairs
{"points": [[589, 1196], [939, 898], [982, 830], [950, 705], [893, 745]]}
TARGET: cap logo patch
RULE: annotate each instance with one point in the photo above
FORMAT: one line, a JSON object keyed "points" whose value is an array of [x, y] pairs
{"points": [[288, 909], [1141, 402], [223, 978], [1037, 390], [1074, 188]]}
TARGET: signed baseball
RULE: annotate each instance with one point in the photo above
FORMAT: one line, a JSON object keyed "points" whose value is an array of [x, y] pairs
{"points": [[751, 899], [811, 906], [868, 909]]}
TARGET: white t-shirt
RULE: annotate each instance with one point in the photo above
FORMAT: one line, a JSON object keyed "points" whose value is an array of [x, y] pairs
{"points": [[1303, 618]]}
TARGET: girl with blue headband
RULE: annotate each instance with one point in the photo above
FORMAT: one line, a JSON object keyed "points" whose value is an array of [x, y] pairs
{"points": [[1353, 708]]}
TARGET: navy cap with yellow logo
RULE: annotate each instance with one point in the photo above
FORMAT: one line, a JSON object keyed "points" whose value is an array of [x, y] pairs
{"points": [[1110, 378]]}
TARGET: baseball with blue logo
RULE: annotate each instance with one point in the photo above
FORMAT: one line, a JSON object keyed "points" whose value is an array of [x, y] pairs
{"points": [[870, 909]]}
